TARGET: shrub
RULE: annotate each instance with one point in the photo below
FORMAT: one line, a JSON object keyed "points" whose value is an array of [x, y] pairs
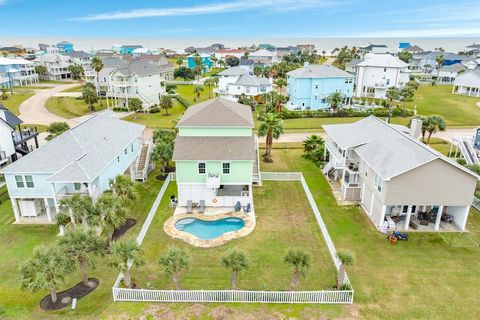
{"points": [[183, 101], [154, 109]]}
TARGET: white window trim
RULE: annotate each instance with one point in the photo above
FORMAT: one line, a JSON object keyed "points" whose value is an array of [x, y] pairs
{"points": [[229, 169], [25, 179], [198, 167], [378, 183], [16, 182]]}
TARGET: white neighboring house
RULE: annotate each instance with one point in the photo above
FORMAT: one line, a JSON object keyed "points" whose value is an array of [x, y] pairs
{"points": [[80, 57], [121, 80], [17, 72], [377, 72], [56, 64], [224, 53], [468, 83], [140, 51], [447, 74], [396, 178], [237, 81], [263, 57]]}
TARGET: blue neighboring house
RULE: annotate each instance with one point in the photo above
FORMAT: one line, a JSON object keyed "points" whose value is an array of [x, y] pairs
{"points": [[82, 161], [309, 87], [129, 48], [65, 46], [206, 61]]}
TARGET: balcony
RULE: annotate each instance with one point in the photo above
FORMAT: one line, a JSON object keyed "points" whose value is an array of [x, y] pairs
{"points": [[65, 192], [22, 136], [380, 85]]}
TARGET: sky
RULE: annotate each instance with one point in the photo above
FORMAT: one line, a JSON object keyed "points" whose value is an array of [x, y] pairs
{"points": [[239, 18]]}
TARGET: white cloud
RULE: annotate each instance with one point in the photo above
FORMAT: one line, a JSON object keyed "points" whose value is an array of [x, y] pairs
{"points": [[471, 30], [221, 7]]}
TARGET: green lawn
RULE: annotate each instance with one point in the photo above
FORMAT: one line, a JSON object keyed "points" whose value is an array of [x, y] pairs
{"points": [[458, 110], [212, 72], [13, 102], [158, 120], [57, 81], [69, 107], [186, 91], [412, 280], [78, 88]]}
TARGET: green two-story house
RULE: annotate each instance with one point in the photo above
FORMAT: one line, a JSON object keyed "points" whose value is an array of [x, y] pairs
{"points": [[216, 154]]}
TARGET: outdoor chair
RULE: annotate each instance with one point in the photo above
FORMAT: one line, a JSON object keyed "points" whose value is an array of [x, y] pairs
{"points": [[237, 206], [189, 206], [247, 208], [201, 207]]}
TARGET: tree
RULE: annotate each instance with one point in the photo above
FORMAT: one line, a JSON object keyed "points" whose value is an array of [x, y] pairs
{"points": [[433, 124], [232, 61], [392, 94], [211, 82], [97, 64], [55, 129], [123, 187], [179, 61], [281, 83], [41, 71], [236, 261], [166, 103], [273, 101], [198, 60], [164, 135], [185, 73], [313, 148], [346, 259], [135, 104], [46, 269], [257, 70], [90, 97], [76, 71], [405, 56], [162, 152], [81, 244], [123, 251], [173, 262], [440, 60], [271, 127], [4, 93], [300, 261], [62, 220], [335, 100], [406, 93], [112, 212], [197, 91], [81, 210]]}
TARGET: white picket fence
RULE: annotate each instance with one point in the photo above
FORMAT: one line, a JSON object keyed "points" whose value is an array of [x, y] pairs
{"points": [[242, 296]]}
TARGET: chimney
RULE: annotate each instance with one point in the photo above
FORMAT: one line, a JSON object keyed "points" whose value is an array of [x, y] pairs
{"points": [[416, 128]]}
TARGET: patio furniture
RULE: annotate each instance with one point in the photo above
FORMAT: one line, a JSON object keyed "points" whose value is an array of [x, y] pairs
{"points": [[189, 206], [424, 222], [413, 224], [201, 207], [247, 208], [237, 206]]}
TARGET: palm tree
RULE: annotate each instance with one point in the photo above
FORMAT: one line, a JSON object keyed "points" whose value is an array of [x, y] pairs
{"points": [[197, 90], [433, 124], [97, 65], [179, 61], [346, 259], [211, 82], [440, 60], [163, 152], [392, 94], [112, 211], [406, 93], [281, 83], [300, 261], [41, 71], [124, 187], [90, 97], [197, 59], [81, 209], [46, 269], [257, 70], [81, 244], [135, 104], [166, 103], [123, 251], [236, 261], [335, 100], [271, 127], [173, 262]]}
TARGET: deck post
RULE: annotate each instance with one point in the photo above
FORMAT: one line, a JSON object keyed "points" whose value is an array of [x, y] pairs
{"points": [[15, 210], [409, 216], [47, 207], [439, 217]]}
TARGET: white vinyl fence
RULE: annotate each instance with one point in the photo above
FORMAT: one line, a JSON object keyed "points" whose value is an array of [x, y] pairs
{"points": [[242, 296]]}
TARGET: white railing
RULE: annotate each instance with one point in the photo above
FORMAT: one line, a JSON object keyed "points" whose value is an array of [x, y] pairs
{"points": [[230, 201], [142, 174], [476, 203], [203, 296], [330, 297]]}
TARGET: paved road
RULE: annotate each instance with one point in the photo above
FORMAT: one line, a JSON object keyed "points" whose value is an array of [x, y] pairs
{"points": [[33, 109]]}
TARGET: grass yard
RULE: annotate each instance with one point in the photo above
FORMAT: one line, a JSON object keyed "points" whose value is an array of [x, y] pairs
{"points": [[458, 110], [78, 88], [13, 102], [69, 107], [212, 72], [57, 81], [186, 91], [158, 120], [423, 278]]}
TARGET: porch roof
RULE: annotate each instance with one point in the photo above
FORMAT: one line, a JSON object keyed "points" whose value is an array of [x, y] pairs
{"points": [[214, 148]]}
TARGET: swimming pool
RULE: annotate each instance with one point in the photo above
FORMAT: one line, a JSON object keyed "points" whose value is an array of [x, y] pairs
{"points": [[207, 230]]}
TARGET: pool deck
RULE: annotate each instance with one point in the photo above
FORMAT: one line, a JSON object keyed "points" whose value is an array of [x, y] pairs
{"points": [[171, 230]]}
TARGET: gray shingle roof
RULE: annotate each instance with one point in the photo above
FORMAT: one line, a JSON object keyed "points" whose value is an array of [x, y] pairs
{"points": [[386, 149], [81, 153], [77, 54], [214, 148], [217, 112], [233, 71], [249, 80], [11, 119], [140, 67], [318, 71], [453, 67]]}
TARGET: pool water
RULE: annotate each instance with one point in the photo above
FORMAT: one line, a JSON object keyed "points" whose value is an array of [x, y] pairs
{"points": [[208, 230]]}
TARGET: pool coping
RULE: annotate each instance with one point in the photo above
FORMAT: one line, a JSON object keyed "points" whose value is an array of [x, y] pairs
{"points": [[169, 228]]}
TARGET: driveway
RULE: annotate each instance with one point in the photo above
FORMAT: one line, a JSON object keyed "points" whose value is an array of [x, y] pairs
{"points": [[33, 110]]}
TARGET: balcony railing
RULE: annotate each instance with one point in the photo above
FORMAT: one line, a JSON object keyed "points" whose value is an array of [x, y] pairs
{"points": [[64, 193], [3, 156], [24, 135]]}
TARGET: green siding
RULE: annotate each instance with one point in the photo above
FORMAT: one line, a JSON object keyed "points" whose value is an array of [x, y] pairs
{"points": [[240, 172], [215, 132]]}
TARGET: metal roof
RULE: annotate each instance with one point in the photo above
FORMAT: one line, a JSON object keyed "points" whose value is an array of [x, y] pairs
{"points": [[214, 148]]}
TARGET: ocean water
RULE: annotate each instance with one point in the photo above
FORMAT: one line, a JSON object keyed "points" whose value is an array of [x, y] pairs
{"points": [[180, 43]]}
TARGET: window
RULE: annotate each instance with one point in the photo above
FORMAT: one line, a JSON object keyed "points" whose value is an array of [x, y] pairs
{"points": [[202, 168], [77, 186], [118, 159], [388, 82], [316, 97], [19, 181], [125, 151], [316, 86], [405, 209], [324, 101], [131, 147], [247, 89], [29, 181], [414, 208], [226, 167], [378, 183], [384, 69]]}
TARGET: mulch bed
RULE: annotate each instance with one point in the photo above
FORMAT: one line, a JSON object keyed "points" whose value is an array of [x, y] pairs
{"points": [[161, 177], [121, 231], [64, 298]]}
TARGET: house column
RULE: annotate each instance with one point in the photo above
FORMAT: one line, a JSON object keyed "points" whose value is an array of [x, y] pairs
{"points": [[16, 212], [439, 217], [382, 216], [463, 224], [47, 207], [409, 216], [57, 207]]}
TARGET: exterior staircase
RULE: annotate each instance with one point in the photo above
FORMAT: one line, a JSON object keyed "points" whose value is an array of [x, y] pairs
{"points": [[256, 177], [143, 165]]}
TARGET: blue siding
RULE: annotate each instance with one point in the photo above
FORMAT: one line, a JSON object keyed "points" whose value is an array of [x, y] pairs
{"points": [[67, 47], [42, 188], [207, 63]]}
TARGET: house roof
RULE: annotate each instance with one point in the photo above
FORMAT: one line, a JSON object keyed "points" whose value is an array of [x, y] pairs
{"points": [[388, 150], [230, 51], [456, 67], [249, 80], [137, 66], [131, 46], [413, 48], [11, 49], [446, 55], [77, 54], [214, 148], [318, 71], [11, 119], [262, 53], [82, 153], [64, 42], [473, 46], [381, 60], [233, 71], [10, 61], [246, 62], [217, 112]]}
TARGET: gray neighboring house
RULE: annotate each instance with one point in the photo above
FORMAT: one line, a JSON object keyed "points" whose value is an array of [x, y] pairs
{"points": [[468, 83], [447, 74], [397, 179]]}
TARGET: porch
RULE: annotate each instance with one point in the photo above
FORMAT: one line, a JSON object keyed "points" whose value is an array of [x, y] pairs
{"points": [[34, 211]]}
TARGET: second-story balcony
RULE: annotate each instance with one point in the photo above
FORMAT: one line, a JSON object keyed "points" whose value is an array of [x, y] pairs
{"points": [[23, 135], [92, 191]]}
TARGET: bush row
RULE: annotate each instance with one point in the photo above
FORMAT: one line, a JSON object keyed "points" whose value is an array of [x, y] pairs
{"points": [[379, 112]]}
